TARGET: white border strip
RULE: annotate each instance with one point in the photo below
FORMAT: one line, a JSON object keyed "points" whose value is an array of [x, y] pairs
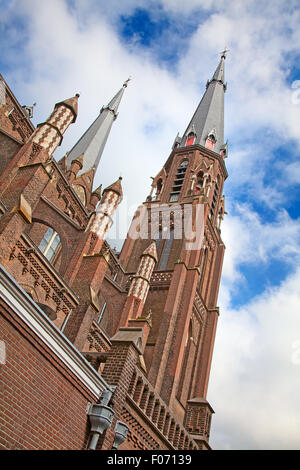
{"points": [[30, 313]]}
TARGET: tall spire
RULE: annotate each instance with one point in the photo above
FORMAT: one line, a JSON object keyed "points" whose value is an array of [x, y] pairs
{"points": [[206, 127], [91, 144]]}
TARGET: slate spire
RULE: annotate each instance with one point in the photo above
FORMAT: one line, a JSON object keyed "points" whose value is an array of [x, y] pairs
{"points": [[208, 119], [91, 144]]}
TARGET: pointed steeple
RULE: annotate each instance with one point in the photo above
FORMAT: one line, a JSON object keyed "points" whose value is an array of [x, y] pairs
{"points": [[206, 127], [115, 187], [93, 141], [151, 251], [72, 104]]}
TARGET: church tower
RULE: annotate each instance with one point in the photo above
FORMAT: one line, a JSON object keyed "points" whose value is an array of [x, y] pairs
{"points": [[173, 255]]}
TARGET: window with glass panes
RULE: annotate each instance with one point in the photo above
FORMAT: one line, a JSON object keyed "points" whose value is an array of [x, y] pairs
{"points": [[166, 251], [50, 244]]}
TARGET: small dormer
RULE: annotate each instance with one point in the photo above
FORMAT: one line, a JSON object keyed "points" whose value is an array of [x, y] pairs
{"points": [[211, 139], [224, 150], [191, 137]]}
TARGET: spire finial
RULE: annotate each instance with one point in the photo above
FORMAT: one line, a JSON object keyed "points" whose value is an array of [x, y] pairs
{"points": [[224, 52], [125, 84]]}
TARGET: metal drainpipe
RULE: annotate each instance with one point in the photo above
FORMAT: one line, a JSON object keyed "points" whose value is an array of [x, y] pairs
{"points": [[101, 417]]}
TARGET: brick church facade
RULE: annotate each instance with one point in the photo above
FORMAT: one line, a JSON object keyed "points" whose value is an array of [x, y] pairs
{"points": [[100, 349]]}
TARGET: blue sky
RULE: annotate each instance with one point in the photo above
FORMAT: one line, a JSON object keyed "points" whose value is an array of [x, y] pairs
{"points": [[51, 50]]}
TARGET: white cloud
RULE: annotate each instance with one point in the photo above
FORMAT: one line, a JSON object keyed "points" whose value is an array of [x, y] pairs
{"points": [[251, 240], [255, 376]]}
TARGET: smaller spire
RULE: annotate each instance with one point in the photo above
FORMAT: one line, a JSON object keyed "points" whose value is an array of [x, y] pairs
{"points": [[115, 187], [98, 190], [79, 159], [72, 104], [113, 105], [93, 141], [151, 251]]}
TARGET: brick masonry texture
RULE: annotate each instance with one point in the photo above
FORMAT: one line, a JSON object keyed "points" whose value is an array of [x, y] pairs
{"points": [[41, 405]]}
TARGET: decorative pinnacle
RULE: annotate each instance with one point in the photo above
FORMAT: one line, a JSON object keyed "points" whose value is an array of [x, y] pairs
{"points": [[79, 160], [223, 53]]}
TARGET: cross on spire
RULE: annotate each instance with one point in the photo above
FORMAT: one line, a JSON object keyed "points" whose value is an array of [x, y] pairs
{"points": [[125, 84], [224, 52]]}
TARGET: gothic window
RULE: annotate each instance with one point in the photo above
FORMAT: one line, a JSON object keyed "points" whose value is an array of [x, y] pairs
{"points": [[174, 197], [158, 239], [50, 244], [162, 265], [187, 365], [200, 182], [159, 187], [203, 263], [178, 182], [215, 198], [79, 190], [190, 139]]}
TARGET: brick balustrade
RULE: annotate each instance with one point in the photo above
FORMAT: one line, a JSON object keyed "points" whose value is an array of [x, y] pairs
{"points": [[141, 395]]}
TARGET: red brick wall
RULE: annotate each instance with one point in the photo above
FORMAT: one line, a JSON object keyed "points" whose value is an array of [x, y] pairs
{"points": [[41, 405], [8, 149]]}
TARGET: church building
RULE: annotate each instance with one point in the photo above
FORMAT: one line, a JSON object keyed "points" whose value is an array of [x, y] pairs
{"points": [[98, 349]]}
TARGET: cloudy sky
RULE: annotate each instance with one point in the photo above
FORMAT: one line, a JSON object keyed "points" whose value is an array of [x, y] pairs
{"points": [[51, 50]]}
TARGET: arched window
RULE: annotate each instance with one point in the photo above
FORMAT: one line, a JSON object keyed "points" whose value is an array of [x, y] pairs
{"points": [[200, 182], [159, 187], [50, 244], [215, 198], [178, 182], [164, 257], [79, 190]]}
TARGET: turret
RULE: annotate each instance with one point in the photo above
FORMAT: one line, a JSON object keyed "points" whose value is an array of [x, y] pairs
{"points": [[138, 291], [100, 225], [95, 198], [49, 134], [75, 167]]}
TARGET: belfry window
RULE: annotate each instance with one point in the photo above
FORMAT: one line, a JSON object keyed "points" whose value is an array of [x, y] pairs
{"points": [[190, 139], [200, 182], [215, 198], [50, 244], [178, 182], [159, 187]]}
